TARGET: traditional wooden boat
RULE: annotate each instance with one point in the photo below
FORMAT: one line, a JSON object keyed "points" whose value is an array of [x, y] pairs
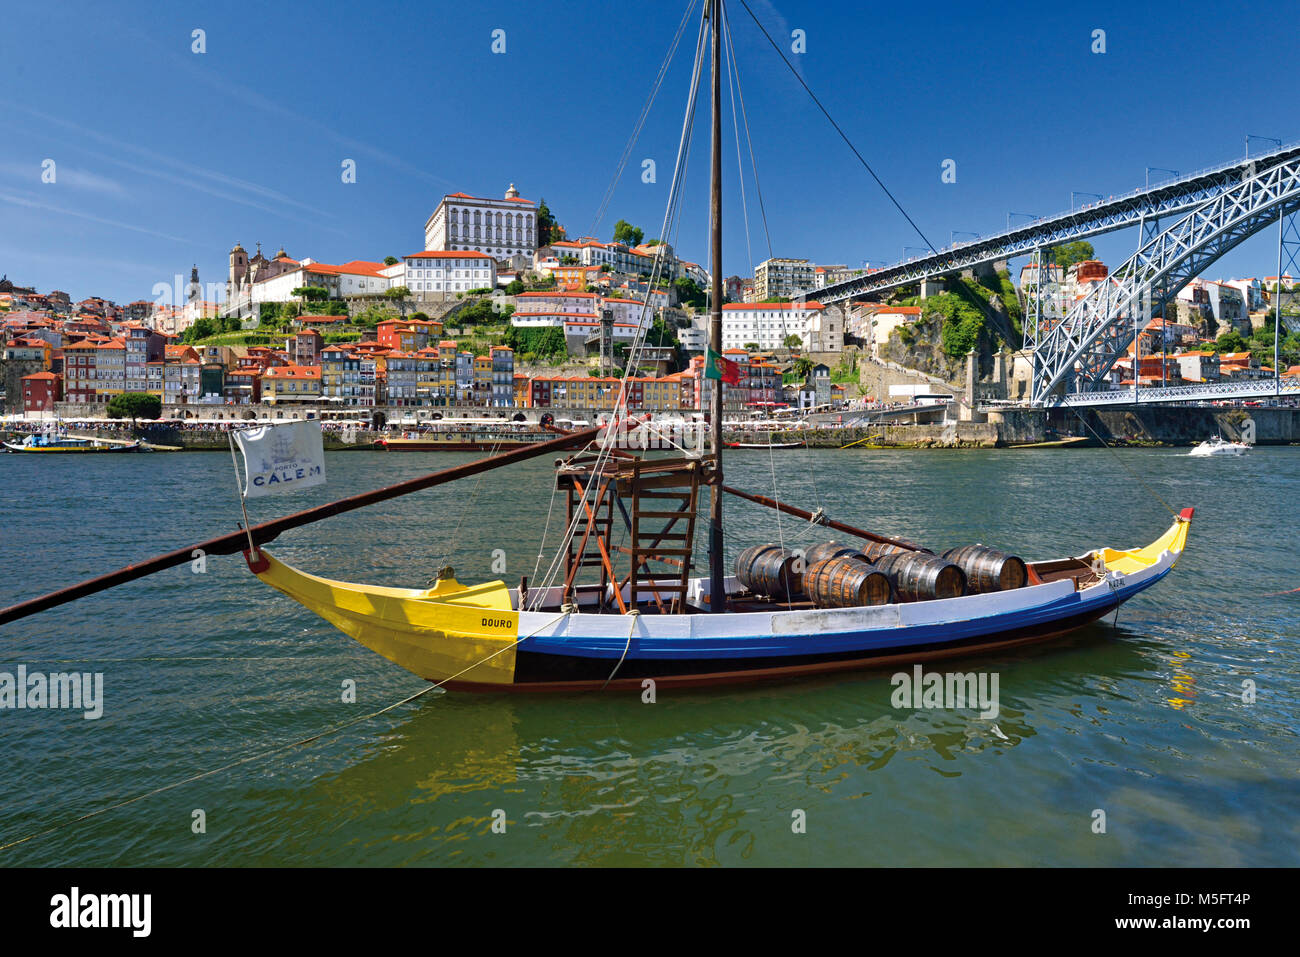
{"points": [[476, 637], [461, 440], [64, 443], [608, 615], [646, 616]]}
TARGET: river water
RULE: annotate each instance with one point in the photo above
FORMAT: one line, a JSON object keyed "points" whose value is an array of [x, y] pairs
{"points": [[1144, 720]]}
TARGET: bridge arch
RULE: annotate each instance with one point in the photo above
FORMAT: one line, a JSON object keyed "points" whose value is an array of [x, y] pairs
{"points": [[1081, 348]]}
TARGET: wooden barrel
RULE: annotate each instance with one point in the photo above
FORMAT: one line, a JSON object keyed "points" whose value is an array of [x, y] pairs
{"points": [[921, 577], [769, 570], [874, 550], [824, 550], [988, 569], [846, 583]]}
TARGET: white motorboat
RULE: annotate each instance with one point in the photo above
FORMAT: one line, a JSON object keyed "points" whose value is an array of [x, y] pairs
{"points": [[1218, 446]]}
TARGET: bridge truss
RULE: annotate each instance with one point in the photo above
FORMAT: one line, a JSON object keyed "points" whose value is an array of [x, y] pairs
{"points": [[1143, 208], [1075, 354]]}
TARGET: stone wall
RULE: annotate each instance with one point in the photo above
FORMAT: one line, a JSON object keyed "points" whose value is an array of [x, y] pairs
{"points": [[11, 381]]}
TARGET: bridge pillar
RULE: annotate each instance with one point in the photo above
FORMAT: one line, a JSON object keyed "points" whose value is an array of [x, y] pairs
{"points": [[931, 287]]}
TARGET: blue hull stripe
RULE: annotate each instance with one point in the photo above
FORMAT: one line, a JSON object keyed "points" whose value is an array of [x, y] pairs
{"points": [[659, 648]]}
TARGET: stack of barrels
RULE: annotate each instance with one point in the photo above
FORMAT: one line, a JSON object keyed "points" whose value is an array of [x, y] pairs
{"points": [[772, 571], [837, 575], [988, 569]]}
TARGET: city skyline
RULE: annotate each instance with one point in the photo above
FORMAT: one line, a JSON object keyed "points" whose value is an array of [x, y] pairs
{"points": [[165, 157]]}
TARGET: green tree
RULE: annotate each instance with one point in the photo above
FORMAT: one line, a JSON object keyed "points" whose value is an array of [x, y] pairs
{"points": [[1230, 342], [802, 366], [391, 260], [751, 346], [793, 341], [627, 234], [546, 225], [689, 293], [661, 334], [134, 405], [1067, 254], [515, 287], [201, 329], [398, 295]]}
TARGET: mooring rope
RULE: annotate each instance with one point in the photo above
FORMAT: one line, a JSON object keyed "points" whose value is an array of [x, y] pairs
{"points": [[1118, 458], [278, 749], [635, 615]]}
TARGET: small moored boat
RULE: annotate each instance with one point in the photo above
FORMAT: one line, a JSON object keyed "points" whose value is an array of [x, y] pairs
{"points": [[62, 442]]}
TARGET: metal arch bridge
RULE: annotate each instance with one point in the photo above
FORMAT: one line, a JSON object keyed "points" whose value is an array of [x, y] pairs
{"points": [[1260, 389], [1142, 207], [1076, 353]]}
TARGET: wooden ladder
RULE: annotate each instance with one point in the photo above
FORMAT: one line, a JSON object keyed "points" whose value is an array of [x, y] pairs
{"points": [[664, 495]]}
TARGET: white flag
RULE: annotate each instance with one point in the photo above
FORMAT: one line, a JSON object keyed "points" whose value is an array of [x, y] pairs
{"points": [[281, 458]]}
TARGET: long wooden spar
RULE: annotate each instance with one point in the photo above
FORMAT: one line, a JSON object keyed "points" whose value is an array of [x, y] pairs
{"points": [[810, 516], [267, 531]]}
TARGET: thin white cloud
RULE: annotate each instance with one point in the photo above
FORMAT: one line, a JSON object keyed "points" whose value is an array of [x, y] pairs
{"points": [[27, 174], [31, 203], [160, 159], [252, 98]]}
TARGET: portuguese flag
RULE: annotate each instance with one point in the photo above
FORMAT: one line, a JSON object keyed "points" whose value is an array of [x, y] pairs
{"points": [[720, 367]]}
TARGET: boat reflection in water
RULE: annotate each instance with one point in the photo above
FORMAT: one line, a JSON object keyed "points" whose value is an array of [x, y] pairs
{"points": [[713, 779]]}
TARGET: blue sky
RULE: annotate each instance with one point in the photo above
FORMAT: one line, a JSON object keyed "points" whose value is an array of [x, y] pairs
{"points": [[166, 157]]}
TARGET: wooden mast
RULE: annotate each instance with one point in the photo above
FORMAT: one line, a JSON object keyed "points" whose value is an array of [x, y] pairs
{"points": [[717, 595]]}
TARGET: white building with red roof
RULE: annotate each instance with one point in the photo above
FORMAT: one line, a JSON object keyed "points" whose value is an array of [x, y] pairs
{"points": [[502, 228], [437, 274], [357, 278], [766, 324]]}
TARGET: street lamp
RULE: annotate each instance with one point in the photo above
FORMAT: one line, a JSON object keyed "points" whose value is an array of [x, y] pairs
{"points": [[1079, 192], [1026, 215], [1256, 136], [918, 248], [1159, 169], [953, 233]]}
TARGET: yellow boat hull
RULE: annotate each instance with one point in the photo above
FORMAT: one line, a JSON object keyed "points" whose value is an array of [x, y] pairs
{"points": [[450, 630]]}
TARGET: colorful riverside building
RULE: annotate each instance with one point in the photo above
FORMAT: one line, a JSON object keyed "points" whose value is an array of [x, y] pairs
{"points": [[448, 359], [601, 392], [40, 391], [501, 360], [407, 335], [759, 387], [96, 368], [292, 383], [347, 376], [401, 375]]}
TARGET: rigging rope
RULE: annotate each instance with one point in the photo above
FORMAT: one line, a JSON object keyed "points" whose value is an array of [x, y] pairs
{"points": [[843, 135], [1118, 458], [640, 123], [744, 115], [620, 410], [735, 129]]}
